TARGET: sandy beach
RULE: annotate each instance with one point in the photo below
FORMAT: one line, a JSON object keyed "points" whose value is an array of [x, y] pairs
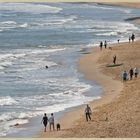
{"points": [[123, 4], [59, 38], [117, 113]]}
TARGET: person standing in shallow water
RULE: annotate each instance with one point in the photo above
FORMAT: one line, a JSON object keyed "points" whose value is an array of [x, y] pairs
{"points": [[45, 121], [88, 112]]}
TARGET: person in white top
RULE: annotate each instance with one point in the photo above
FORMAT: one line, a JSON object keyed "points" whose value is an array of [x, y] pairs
{"points": [[88, 112], [136, 72], [51, 122]]}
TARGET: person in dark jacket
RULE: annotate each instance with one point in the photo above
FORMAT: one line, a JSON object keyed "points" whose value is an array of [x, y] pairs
{"points": [[45, 121]]}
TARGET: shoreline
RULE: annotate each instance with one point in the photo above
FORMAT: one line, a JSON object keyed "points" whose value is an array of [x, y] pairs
{"points": [[93, 67], [122, 4], [97, 74], [108, 94], [112, 88]]}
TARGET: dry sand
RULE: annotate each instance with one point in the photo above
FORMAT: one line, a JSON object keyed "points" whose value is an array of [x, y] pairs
{"points": [[137, 21], [131, 4], [117, 114]]}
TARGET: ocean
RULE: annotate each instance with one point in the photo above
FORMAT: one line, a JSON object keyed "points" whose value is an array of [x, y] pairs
{"points": [[36, 35]]}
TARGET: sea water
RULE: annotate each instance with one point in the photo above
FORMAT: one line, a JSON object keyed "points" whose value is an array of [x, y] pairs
{"points": [[35, 35]]}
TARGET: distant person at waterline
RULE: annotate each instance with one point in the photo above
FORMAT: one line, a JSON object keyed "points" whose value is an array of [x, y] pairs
{"points": [[133, 37], [129, 39], [118, 40], [51, 122], [88, 112], [136, 72], [101, 45], [45, 121], [105, 44]]}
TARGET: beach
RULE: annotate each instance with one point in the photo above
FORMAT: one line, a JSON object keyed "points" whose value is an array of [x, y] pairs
{"points": [[123, 4], [51, 63], [117, 113]]}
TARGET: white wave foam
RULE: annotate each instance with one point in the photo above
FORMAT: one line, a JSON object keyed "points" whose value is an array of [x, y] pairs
{"points": [[127, 11], [49, 50], [52, 21], [29, 8], [6, 59], [69, 98], [104, 8], [17, 121], [8, 22], [15, 115], [10, 126], [113, 28], [25, 25], [108, 34], [7, 101], [62, 106], [7, 25]]}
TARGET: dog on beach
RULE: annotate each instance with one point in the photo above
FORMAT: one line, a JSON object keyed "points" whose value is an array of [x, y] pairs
{"points": [[58, 126]]}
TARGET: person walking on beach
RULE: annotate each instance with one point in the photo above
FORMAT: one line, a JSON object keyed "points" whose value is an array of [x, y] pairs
{"points": [[114, 59], [118, 40], [136, 72], [124, 76], [133, 37], [88, 112], [101, 45], [105, 44], [51, 122], [131, 73], [45, 121], [129, 39]]}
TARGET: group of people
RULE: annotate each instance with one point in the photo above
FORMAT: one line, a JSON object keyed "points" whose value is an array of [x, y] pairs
{"points": [[49, 120], [131, 38], [133, 72], [103, 44]]}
